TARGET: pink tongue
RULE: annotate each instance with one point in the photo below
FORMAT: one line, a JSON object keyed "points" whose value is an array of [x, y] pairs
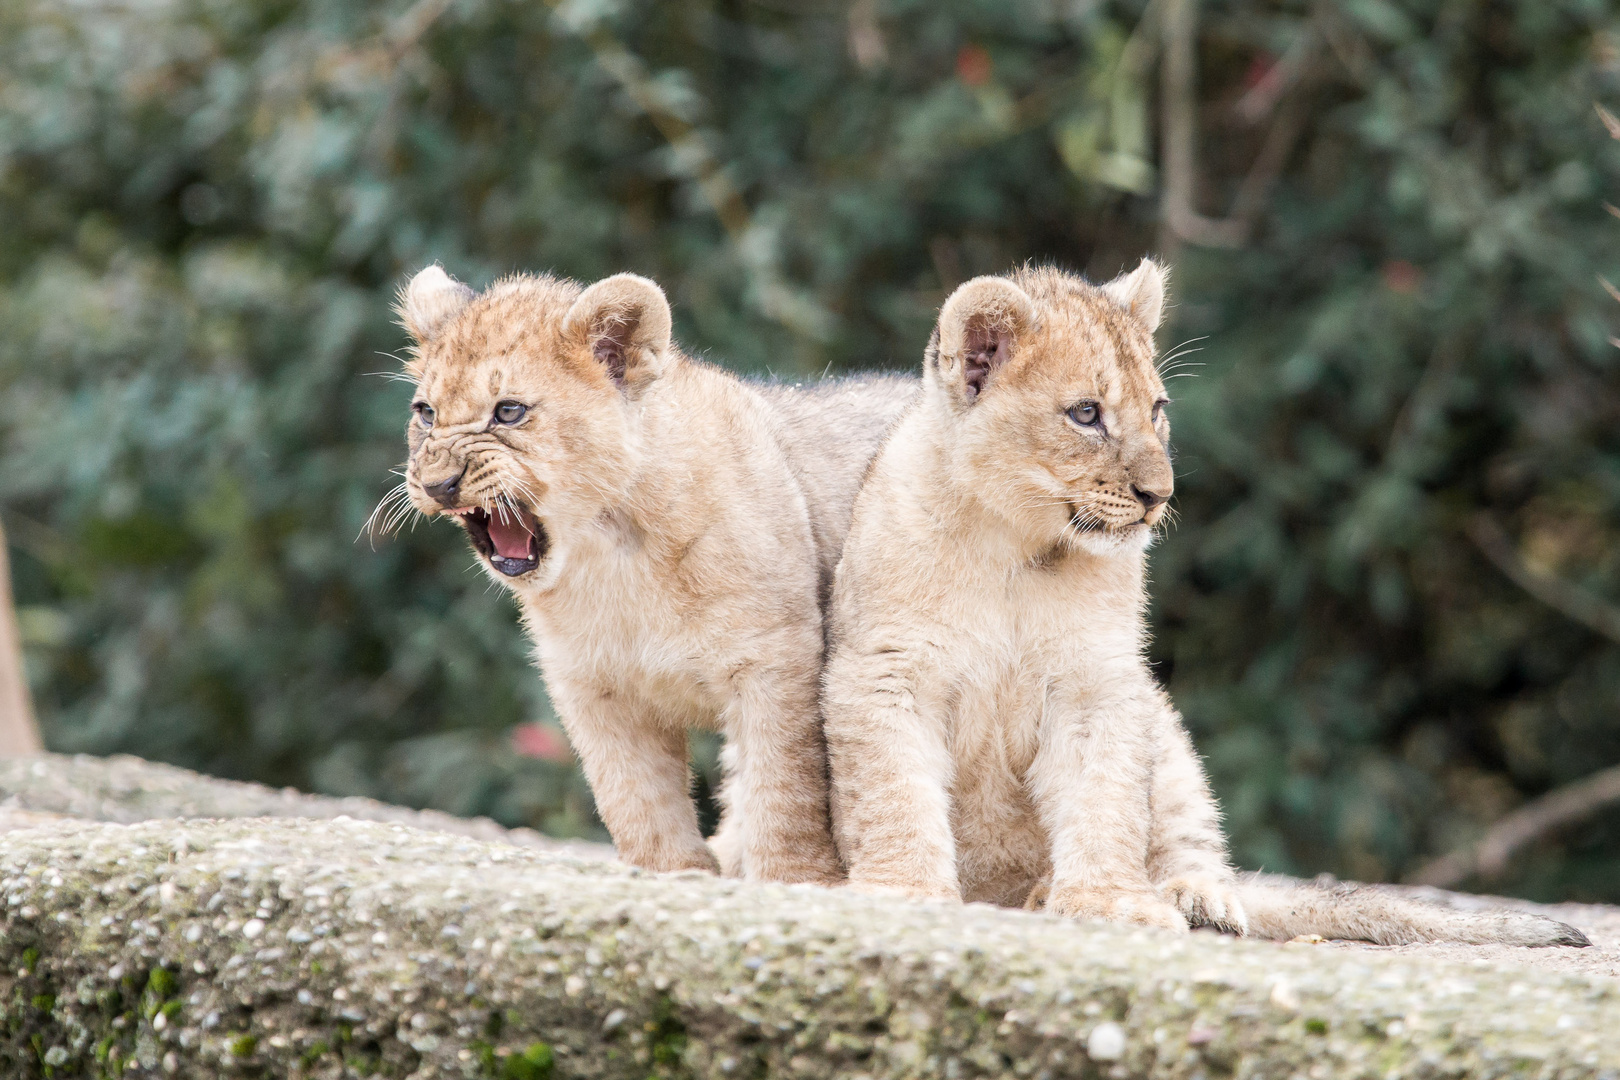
{"points": [[509, 536]]}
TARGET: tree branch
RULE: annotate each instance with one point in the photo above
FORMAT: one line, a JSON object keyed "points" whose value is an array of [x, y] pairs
{"points": [[19, 734], [408, 29], [1180, 93], [1262, 98], [1533, 821], [1571, 601], [1181, 134], [866, 42], [1563, 806]]}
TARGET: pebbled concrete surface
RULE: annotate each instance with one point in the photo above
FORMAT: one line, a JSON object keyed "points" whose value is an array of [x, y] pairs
{"points": [[341, 947]]}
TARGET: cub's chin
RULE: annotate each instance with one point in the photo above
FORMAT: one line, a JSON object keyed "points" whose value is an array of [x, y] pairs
{"points": [[1101, 540], [507, 535]]}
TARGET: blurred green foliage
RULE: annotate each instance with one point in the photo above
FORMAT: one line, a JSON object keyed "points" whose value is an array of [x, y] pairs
{"points": [[205, 207]]}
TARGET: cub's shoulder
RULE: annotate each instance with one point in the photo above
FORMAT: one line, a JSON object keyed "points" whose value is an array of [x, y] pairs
{"points": [[860, 401]]}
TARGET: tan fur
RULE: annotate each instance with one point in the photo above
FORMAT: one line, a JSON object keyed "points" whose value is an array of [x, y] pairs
{"points": [[994, 732], [1282, 908], [677, 577], [830, 429]]}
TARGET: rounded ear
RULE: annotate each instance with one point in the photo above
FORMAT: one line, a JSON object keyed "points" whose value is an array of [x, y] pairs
{"points": [[624, 320], [978, 329], [1141, 292], [432, 299]]}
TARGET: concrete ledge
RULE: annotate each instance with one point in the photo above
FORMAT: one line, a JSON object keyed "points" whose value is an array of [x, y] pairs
{"points": [[127, 789], [306, 936], [343, 947]]}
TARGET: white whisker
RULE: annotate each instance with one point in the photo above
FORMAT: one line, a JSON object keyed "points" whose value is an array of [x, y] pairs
{"points": [[523, 489], [397, 517], [391, 376], [1182, 350], [388, 507]]}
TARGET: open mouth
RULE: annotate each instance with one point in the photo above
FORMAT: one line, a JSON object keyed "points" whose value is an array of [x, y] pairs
{"points": [[511, 538]]}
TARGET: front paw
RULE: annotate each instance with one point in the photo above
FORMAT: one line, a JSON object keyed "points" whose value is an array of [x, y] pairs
{"points": [[1137, 906], [813, 871], [672, 860], [1207, 901], [937, 892]]}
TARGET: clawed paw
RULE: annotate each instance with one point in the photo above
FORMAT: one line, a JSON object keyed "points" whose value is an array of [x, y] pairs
{"points": [[819, 869], [1207, 901], [905, 890], [1138, 907], [813, 875], [803, 874], [696, 859]]}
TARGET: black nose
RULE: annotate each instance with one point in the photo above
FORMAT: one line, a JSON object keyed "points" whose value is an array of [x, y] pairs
{"points": [[1148, 499], [447, 492]]}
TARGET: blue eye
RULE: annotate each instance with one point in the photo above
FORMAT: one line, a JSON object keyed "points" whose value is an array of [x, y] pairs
{"points": [[1086, 414], [424, 413], [510, 412]]}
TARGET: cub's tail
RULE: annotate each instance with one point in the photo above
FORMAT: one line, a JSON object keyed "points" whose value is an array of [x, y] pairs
{"points": [[1283, 908]]}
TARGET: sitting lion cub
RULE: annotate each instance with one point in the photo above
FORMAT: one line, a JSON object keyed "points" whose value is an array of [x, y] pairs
{"points": [[669, 532], [994, 732]]}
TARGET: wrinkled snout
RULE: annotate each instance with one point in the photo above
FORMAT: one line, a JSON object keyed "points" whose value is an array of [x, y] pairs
{"points": [[446, 492], [440, 475]]}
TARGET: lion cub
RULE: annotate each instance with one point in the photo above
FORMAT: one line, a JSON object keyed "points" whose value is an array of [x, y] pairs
{"points": [[990, 720], [668, 533], [994, 732]]}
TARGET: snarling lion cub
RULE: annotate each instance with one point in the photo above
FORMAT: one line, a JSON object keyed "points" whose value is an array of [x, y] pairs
{"points": [[669, 532], [994, 731]]}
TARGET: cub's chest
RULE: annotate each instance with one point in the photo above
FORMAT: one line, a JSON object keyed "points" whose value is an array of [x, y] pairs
{"points": [[995, 720], [1024, 649], [613, 602], [612, 621], [989, 697]]}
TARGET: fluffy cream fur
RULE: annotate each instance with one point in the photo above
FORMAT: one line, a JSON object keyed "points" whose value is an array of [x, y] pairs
{"points": [[666, 531], [993, 729]]}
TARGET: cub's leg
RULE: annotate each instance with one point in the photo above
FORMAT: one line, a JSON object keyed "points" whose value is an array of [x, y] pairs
{"points": [[775, 820], [1187, 857], [890, 775], [640, 777], [726, 843], [1090, 781]]}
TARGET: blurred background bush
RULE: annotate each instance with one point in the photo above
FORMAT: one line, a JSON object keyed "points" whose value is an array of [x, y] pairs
{"points": [[1388, 610]]}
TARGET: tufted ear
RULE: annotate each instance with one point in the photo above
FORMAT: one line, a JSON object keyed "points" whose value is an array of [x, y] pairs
{"points": [[624, 320], [1141, 292], [432, 299], [978, 330]]}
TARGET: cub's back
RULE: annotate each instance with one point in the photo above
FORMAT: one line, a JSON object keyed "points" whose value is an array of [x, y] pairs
{"points": [[830, 430]]}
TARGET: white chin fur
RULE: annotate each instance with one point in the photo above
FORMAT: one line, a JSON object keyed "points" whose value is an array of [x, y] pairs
{"points": [[1106, 542]]}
